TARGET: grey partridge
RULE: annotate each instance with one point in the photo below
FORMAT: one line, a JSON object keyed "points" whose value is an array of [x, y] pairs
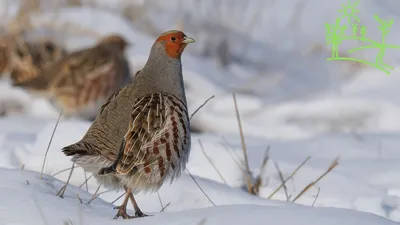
{"points": [[80, 83], [141, 137], [24, 59]]}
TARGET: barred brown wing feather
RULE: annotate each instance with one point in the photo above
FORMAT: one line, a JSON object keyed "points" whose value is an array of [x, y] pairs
{"points": [[153, 144]]}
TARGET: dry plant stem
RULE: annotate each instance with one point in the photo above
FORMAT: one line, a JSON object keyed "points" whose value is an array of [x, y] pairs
{"points": [[79, 198], [201, 106], [48, 147], [211, 162], [316, 197], [62, 190], [289, 177], [163, 209], [331, 167], [98, 195], [94, 196], [283, 181], [159, 199], [64, 170], [232, 154], [258, 181], [118, 198], [246, 160], [87, 179], [201, 189]]}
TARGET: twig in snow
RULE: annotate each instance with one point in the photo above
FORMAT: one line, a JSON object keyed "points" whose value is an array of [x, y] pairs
{"points": [[64, 170], [316, 197], [163, 209], [86, 180], [48, 147], [331, 167], [201, 189], [289, 177], [283, 181], [98, 195], [201, 106], [246, 161], [94, 196], [62, 190], [159, 199], [258, 181], [211, 162], [118, 198], [233, 155], [79, 198]]}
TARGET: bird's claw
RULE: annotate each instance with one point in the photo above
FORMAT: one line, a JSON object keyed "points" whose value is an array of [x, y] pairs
{"points": [[139, 213], [122, 213]]}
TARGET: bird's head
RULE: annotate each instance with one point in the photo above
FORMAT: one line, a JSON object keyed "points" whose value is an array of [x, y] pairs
{"points": [[174, 42], [115, 40]]}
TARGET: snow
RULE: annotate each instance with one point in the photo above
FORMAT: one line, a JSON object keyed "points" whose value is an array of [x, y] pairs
{"points": [[302, 107], [26, 192]]}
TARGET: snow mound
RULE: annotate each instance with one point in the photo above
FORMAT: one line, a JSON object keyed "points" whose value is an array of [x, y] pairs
{"points": [[25, 192]]}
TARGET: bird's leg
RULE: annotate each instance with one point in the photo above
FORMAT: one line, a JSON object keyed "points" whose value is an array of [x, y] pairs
{"points": [[122, 208], [138, 212]]}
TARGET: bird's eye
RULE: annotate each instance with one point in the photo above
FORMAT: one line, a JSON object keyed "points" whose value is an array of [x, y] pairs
{"points": [[173, 38]]}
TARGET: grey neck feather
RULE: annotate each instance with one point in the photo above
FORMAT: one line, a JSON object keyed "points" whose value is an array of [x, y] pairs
{"points": [[161, 74]]}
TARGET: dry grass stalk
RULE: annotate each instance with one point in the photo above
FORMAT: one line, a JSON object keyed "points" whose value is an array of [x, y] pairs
{"points": [[201, 189], [211, 162], [258, 182], [79, 198], [246, 160], [316, 197], [118, 198], [86, 180], [233, 155], [94, 196], [289, 177], [201, 106], [64, 170], [48, 146], [163, 209], [159, 199], [331, 167], [61, 192], [282, 181]]}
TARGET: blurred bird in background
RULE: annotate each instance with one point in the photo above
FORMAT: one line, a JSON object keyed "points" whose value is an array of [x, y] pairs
{"points": [[79, 83]]}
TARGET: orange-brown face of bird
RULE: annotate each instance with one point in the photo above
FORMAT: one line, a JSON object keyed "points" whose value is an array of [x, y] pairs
{"points": [[174, 42]]}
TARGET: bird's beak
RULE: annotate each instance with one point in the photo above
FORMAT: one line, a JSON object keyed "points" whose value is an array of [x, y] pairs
{"points": [[188, 40]]}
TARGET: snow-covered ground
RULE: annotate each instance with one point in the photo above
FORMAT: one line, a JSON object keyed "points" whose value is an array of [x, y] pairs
{"points": [[300, 111]]}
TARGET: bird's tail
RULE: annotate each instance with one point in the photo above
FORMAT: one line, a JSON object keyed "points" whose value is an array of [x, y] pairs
{"points": [[113, 168], [78, 148]]}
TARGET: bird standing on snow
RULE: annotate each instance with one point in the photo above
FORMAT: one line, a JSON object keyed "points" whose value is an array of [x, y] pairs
{"points": [[80, 83], [141, 137]]}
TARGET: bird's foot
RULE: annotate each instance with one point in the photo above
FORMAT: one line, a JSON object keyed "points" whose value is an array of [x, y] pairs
{"points": [[122, 213], [139, 213]]}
